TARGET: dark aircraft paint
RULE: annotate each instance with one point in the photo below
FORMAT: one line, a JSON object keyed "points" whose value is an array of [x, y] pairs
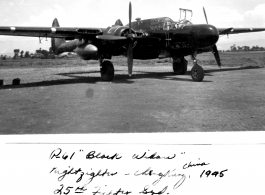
{"points": [[175, 41]]}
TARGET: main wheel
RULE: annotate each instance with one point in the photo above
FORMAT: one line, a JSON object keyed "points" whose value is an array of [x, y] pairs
{"points": [[107, 71], [197, 73], [180, 66]]}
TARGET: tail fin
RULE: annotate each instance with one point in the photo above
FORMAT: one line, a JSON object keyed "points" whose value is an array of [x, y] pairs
{"points": [[118, 23], [56, 42]]}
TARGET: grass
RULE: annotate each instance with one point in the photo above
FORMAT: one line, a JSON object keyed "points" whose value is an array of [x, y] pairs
{"points": [[232, 59]]}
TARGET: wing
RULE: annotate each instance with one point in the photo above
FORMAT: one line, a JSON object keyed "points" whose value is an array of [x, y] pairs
{"points": [[226, 31], [55, 32]]}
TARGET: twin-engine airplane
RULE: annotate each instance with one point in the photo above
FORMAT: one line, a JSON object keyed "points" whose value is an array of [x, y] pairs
{"points": [[142, 39]]}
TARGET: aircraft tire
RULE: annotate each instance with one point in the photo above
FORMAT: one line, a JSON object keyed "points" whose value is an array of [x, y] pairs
{"points": [[180, 68], [197, 73], [107, 71]]}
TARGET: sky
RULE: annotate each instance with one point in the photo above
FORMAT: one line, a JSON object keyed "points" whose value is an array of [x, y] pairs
{"points": [[104, 13]]}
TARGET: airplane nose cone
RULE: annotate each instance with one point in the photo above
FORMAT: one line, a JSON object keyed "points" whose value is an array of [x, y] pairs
{"points": [[212, 33], [204, 35]]}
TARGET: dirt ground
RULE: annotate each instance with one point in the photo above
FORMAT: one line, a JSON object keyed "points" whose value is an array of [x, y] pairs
{"points": [[69, 97]]}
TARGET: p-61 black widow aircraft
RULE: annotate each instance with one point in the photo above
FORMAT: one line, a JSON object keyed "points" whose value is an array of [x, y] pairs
{"points": [[142, 39]]}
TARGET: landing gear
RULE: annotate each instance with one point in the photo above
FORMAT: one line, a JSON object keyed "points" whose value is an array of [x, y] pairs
{"points": [[197, 72], [106, 71], [180, 66]]}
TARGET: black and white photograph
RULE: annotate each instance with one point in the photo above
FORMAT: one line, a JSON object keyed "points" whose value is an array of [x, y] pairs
{"points": [[160, 96]]}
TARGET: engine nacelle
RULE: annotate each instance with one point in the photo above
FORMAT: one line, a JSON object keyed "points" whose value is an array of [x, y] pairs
{"points": [[119, 31], [87, 51]]}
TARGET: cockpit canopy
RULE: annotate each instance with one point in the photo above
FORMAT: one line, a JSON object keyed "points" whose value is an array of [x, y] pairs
{"points": [[164, 23], [176, 25], [185, 14], [184, 20]]}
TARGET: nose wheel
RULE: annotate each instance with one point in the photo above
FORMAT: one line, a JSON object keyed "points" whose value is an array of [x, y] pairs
{"points": [[197, 72]]}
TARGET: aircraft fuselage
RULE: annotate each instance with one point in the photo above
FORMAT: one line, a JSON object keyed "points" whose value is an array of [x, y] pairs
{"points": [[166, 39], [178, 40], [171, 39]]}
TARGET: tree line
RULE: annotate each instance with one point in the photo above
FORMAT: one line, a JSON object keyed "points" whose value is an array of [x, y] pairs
{"points": [[245, 48], [39, 53]]}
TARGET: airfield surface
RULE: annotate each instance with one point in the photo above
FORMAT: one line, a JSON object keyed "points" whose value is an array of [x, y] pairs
{"points": [[68, 96]]}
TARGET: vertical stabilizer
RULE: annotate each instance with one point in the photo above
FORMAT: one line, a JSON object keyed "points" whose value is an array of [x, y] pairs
{"points": [[56, 42], [118, 23]]}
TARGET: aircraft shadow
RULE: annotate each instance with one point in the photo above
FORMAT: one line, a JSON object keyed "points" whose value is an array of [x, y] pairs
{"points": [[53, 82], [143, 75], [229, 69], [76, 78]]}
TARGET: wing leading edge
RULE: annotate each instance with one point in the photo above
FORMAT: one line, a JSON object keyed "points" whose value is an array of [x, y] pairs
{"points": [[53, 32], [225, 31]]}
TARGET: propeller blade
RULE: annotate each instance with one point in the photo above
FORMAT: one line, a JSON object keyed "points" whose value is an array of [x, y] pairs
{"points": [[130, 57], [214, 47], [110, 37], [205, 15], [216, 55], [130, 43], [130, 18]]}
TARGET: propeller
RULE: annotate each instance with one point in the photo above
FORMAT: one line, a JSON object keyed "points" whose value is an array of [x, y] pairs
{"points": [[214, 47], [129, 38], [130, 43], [216, 55], [205, 15]]}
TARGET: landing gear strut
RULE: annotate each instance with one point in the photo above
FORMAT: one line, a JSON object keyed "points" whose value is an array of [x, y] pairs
{"points": [[180, 66], [106, 70], [197, 72]]}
